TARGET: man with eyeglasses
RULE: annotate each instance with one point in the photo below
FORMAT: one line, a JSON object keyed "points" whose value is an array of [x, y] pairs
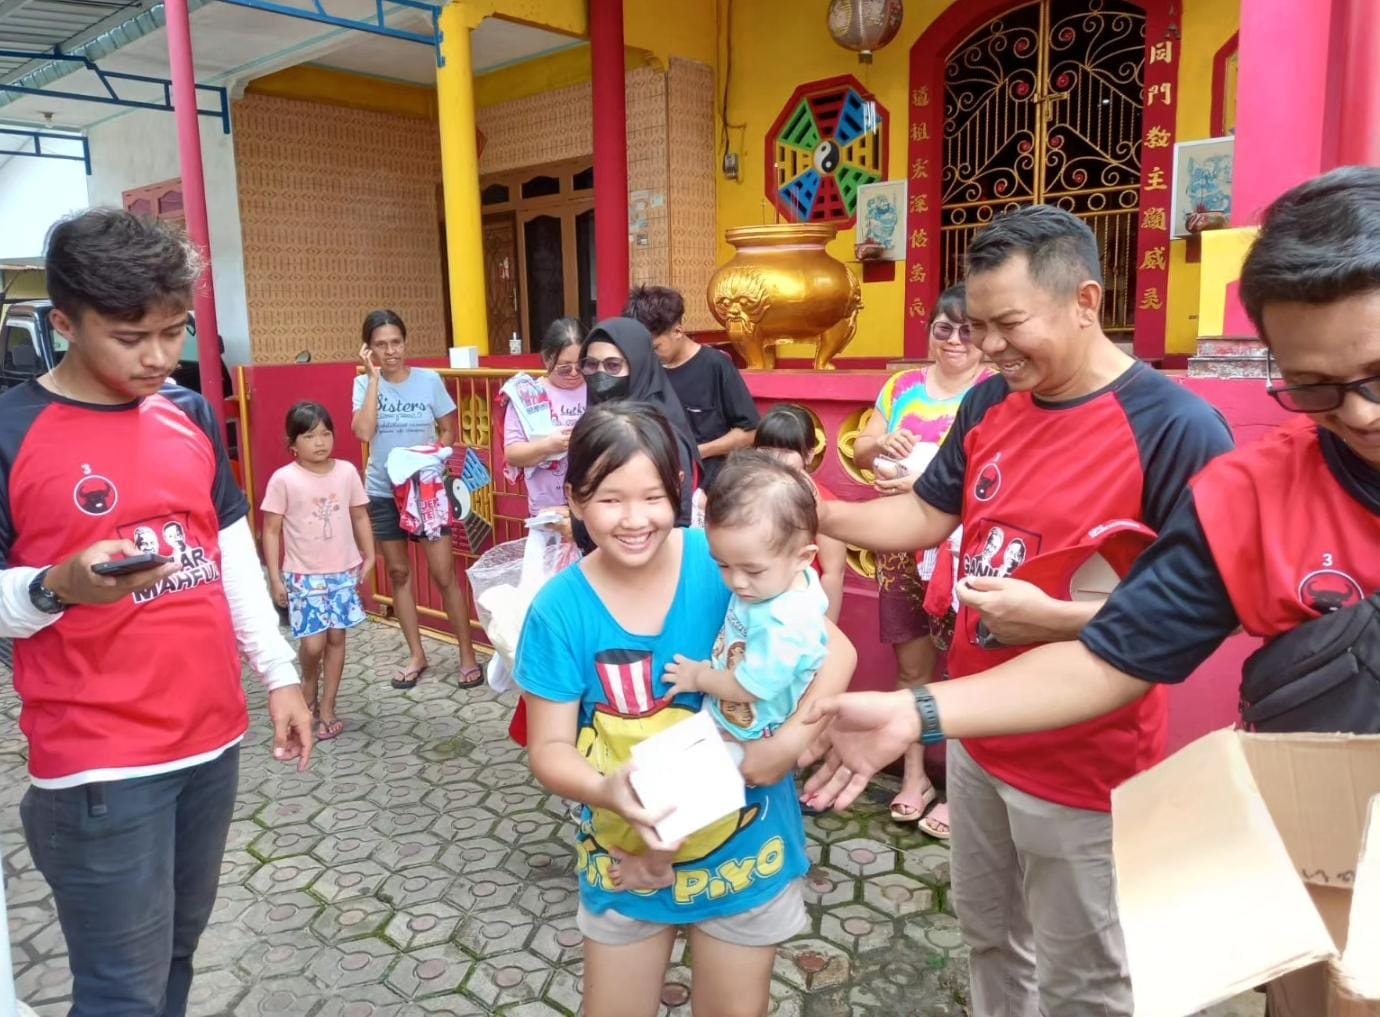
{"points": [[1267, 538], [715, 397], [1071, 441]]}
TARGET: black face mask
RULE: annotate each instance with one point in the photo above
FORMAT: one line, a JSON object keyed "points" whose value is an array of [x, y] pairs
{"points": [[604, 386]]}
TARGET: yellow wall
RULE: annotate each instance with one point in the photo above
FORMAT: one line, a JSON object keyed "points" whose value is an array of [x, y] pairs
{"points": [[776, 48]]}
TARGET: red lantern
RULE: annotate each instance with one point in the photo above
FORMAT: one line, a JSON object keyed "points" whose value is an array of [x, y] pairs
{"points": [[864, 25]]}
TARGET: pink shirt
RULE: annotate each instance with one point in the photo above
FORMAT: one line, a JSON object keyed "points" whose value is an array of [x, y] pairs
{"points": [[546, 481], [318, 538]]}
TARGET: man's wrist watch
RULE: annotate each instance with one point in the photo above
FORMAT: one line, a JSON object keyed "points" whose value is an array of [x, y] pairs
{"points": [[43, 598], [930, 731]]}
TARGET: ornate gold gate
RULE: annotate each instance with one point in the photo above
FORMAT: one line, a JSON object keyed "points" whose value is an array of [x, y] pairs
{"points": [[1044, 105]]}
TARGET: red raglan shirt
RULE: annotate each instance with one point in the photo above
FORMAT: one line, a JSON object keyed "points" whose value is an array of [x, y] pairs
{"points": [[152, 681], [1267, 538], [1028, 477]]}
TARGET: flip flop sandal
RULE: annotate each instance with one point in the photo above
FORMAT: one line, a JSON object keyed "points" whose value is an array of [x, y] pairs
{"points": [[471, 677], [407, 677], [932, 826], [325, 732], [905, 808]]}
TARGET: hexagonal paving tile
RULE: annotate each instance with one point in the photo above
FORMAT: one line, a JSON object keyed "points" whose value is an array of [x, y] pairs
{"points": [[832, 827], [811, 964], [285, 841], [856, 928], [826, 887], [558, 940], [897, 895], [44, 982], [242, 832], [289, 811], [481, 891], [406, 851], [862, 857], [522, 827], [236, 867], [473, 854], [278, 955], [281, 997], [356, 918], [935, 930], [405, 819], [546, 859], [434, 971], [295, 873], [509, 978], [214, 993], [359, 962], [348, 846], [928, 863], [281, 912], [550, 898], [353, 879], [416, 886], [345, 816], [364, 1001], [494, 932], [423, 925]]}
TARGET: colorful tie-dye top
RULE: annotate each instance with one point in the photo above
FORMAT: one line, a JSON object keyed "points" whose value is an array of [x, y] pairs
{"points": [[903, 402]]}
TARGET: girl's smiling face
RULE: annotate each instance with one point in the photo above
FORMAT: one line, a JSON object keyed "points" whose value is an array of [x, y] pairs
{"points": [[630, 513]]}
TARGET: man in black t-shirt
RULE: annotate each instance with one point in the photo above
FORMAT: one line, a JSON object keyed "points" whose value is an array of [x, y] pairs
{"points": [[716, 400]]}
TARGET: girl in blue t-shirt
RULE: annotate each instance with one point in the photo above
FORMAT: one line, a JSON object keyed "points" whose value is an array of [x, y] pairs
{"points": [[590, 661]]}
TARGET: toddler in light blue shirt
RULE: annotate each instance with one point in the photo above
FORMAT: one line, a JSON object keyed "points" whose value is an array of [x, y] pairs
{"points": [[761, 522]]}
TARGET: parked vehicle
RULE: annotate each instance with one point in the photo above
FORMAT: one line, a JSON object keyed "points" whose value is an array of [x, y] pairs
{"points": [[29, 346]]}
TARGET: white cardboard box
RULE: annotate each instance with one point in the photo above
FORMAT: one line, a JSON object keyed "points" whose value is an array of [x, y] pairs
{"points": [[1247, 857]]}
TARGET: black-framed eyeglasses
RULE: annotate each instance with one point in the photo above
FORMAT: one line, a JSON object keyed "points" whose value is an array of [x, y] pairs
{"points": [[566, 370], [615, 366], [1321, 397], [945, 330]]}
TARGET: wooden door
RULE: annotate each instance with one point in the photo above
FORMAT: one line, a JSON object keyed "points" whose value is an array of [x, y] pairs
{"points": [[501, 283]]}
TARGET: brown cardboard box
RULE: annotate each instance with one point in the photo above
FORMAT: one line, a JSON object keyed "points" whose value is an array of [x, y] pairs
{"points": [[1247, 857]]}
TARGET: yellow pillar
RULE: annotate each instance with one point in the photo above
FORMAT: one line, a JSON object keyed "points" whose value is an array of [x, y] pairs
{"points": [[460, 178]]}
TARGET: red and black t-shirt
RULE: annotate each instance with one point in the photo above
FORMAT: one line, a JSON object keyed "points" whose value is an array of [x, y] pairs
{"points": [[1028, 477], [1274, 535], [154, 678]]}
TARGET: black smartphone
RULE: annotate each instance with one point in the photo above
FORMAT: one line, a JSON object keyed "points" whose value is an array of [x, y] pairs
{"points": [[130, 565]]}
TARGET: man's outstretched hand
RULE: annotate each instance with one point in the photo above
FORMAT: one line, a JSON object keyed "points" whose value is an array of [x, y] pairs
{"points": [[864, 731]]}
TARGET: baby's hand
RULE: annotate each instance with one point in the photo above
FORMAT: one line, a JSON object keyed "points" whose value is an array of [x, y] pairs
{"points": [[683, 675]]}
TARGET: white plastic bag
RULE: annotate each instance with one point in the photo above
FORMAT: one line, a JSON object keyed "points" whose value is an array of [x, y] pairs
{"points": [[505, 580]]}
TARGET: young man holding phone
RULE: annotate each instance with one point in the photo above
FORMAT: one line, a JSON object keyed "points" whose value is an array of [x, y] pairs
{"points": [[130, 680]]}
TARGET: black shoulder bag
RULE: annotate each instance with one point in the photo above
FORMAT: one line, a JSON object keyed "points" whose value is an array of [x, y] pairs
{"points": [[1322, 676]]}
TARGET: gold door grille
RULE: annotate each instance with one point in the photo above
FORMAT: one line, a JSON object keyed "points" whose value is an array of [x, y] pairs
{"points": [[1043, 105]]}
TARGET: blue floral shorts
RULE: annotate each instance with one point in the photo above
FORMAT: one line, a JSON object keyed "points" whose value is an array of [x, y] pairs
{"points": [[317, 603]]}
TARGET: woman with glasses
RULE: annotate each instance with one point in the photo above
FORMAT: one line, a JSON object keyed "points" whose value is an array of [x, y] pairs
{"points": [[543, 460], [618, 362], [914, 412]]}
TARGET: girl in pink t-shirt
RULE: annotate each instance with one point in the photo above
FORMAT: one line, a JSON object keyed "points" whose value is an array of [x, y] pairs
{"points": [[316, 522], [543, 459]]}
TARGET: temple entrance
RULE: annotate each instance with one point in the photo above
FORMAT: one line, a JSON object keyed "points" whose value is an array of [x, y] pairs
{"points": [[1044, 105]]}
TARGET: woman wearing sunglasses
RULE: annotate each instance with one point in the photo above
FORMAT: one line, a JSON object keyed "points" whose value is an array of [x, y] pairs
{"points": [[542, 460], [618, 362], [914, 412]]}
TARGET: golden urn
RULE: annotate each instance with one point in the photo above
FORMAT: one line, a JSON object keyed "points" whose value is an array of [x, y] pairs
{"points": [[783, 286]]}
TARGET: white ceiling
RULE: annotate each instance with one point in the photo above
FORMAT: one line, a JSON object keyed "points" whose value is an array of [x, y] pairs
{"points": [[234, 45]]}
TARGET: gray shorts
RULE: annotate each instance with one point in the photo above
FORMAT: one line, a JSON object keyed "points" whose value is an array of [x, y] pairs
{"points": [[765, 925]]}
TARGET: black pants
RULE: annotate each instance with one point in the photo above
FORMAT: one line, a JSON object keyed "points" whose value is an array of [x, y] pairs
{"points": [[133, 866]]}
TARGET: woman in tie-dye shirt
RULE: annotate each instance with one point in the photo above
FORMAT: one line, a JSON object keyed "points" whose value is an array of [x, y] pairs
{"points": [[914, 412]]}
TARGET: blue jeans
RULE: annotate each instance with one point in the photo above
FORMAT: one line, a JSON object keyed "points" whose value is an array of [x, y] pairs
{"points": [[133, 866]]}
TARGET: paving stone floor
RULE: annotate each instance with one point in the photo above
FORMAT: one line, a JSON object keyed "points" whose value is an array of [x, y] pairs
{"points": [[417, 868]]}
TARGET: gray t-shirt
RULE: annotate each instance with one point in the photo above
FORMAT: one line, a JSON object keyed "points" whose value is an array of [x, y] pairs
{"points": [[408, 412]]}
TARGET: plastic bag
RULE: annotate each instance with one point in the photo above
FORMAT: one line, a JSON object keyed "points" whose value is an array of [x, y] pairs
{"points": [[505, 580]]}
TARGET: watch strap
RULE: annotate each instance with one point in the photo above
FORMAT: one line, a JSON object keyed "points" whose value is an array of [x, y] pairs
{"points": [[930, 731], [43, 598]]}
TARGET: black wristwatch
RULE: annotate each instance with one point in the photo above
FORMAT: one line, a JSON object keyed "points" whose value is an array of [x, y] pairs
{"points": [[930, 731], [43, 598]]}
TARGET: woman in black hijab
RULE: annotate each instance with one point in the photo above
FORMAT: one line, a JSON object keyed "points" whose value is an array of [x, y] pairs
{"points": [[618, 363]]}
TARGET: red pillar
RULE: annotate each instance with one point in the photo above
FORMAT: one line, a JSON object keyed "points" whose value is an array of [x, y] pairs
{"points": [[1358, 102], [610, 156], [194, 199], [1282, 129]]}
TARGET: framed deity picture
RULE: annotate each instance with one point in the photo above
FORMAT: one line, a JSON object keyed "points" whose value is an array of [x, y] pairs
{"points": [[881, 229], [1202, 186]]}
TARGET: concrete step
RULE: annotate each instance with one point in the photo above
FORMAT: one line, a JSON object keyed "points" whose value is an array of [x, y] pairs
{"points": [[1231, 346], [1227, 367]]}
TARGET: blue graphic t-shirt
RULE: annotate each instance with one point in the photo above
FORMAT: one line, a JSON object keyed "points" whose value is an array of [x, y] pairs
{"points": [[408, 412], [572, 649]]}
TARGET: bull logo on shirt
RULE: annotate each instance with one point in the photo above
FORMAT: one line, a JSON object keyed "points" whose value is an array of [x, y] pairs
{"points": [[1328, 590], [631, 713], [95, 495], [988, 481]]}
